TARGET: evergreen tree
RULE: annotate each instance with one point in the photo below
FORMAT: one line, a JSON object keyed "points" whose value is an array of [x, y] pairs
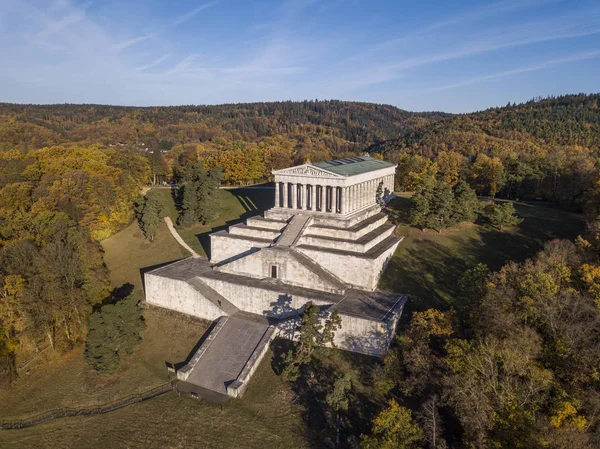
{"points": [[436, 205], [433, 205], [442, 208], [311, 334], [200, 201], [150, 211], [338, 400], [467, 206], [503, 215], [422, 202], [114, 330]]}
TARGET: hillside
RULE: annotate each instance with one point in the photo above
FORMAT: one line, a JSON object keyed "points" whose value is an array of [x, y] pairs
{"points": [[545, 148], [342, 125], [565, 120]]}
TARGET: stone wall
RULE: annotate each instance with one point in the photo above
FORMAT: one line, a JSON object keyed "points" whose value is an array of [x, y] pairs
{"points": [[356, 334], [223, 246], [274, 303], [289, 270], [180, 296], [362, 336], [361, 272]]}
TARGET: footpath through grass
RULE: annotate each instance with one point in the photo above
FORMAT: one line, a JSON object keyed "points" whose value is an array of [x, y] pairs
{"points": [[236, 205], [128, 254], [427, 265]]}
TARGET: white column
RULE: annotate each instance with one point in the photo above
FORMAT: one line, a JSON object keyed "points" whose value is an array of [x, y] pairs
{"points": [[276, 194], [309, 197], [301, 194], [293, 194], [322, 194], [334, 201], [363, 195], [346, 199], [343, 200]]}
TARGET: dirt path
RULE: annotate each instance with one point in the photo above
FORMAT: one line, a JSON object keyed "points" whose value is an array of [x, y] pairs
{"points": [[178, 237]]}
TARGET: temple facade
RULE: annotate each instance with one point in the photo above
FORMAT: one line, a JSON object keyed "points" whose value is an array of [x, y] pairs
{"points": [[326, 240], [340, 187]]}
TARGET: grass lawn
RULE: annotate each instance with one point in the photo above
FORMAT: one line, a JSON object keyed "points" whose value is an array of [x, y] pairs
{"points": [[265, 418], [128, 252], [236, 205], [427, 265]]}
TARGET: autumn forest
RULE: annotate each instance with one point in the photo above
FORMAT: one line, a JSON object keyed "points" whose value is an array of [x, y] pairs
{"points": [[513, 363]]}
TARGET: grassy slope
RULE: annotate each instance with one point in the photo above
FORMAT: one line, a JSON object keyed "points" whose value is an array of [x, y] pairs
{"points": [[236, 205], [128, 252], [427, 265], [265, 417]]}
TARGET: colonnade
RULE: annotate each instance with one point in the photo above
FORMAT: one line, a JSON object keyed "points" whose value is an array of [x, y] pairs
{"points": [[332, 199]]}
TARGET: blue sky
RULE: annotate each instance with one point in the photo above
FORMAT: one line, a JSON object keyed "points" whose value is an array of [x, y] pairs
{"points": [[454, 56]]}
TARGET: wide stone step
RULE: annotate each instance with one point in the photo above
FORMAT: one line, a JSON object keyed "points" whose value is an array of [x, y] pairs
{"points": [[360, 245], [352, 233], [266, 223], [252, 231], [372, 253]]}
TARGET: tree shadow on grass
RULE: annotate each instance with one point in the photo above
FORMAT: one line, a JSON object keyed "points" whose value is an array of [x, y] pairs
{"points": [[398, 210], [254, 201], [117, 294], [429, 272], [316, 382]]}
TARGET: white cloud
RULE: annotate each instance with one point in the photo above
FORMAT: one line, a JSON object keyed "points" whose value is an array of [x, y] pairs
{"points": [[194, 12], [154, 63], [506, 73], [129, 42]]}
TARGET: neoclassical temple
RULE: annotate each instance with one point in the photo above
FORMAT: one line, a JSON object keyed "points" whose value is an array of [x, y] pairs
{"points": [[326, 240], [342, 186]]}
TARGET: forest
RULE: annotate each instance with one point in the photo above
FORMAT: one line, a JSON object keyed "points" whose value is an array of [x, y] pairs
{"points": [[515, 366]]}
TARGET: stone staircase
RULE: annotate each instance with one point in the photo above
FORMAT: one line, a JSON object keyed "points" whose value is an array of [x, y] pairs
{"points": [[228, 356], [213, 296], [336, 282], [293, 230]]}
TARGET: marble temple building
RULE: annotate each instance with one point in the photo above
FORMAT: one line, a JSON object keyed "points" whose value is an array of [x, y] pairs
{"points": [[326, 240]]}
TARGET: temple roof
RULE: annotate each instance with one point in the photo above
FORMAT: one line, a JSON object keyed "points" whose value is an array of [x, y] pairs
{"points": [[353, 165]]}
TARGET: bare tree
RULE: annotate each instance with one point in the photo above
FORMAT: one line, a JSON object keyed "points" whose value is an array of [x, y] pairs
{"points": [[431, 423]]}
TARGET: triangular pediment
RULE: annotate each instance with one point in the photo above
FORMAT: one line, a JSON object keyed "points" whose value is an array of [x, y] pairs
{"points": [[307, 170]]}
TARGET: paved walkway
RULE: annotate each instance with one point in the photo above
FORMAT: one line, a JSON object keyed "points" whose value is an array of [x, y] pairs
{"points": [[220, 360], [178, 237]]}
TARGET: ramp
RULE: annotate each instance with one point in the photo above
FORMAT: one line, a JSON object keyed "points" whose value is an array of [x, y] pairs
{"points": [[293, 231], [228, 357], [213, 296]]}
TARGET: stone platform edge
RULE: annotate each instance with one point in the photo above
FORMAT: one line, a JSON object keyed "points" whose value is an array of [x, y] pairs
{"points": [[239, 385]]}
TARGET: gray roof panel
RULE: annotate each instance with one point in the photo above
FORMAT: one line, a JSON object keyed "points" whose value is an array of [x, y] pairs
{"points": [[353, 166]]}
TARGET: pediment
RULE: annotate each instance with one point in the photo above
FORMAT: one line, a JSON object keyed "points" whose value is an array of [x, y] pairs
{"points": [[307, 170]]}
